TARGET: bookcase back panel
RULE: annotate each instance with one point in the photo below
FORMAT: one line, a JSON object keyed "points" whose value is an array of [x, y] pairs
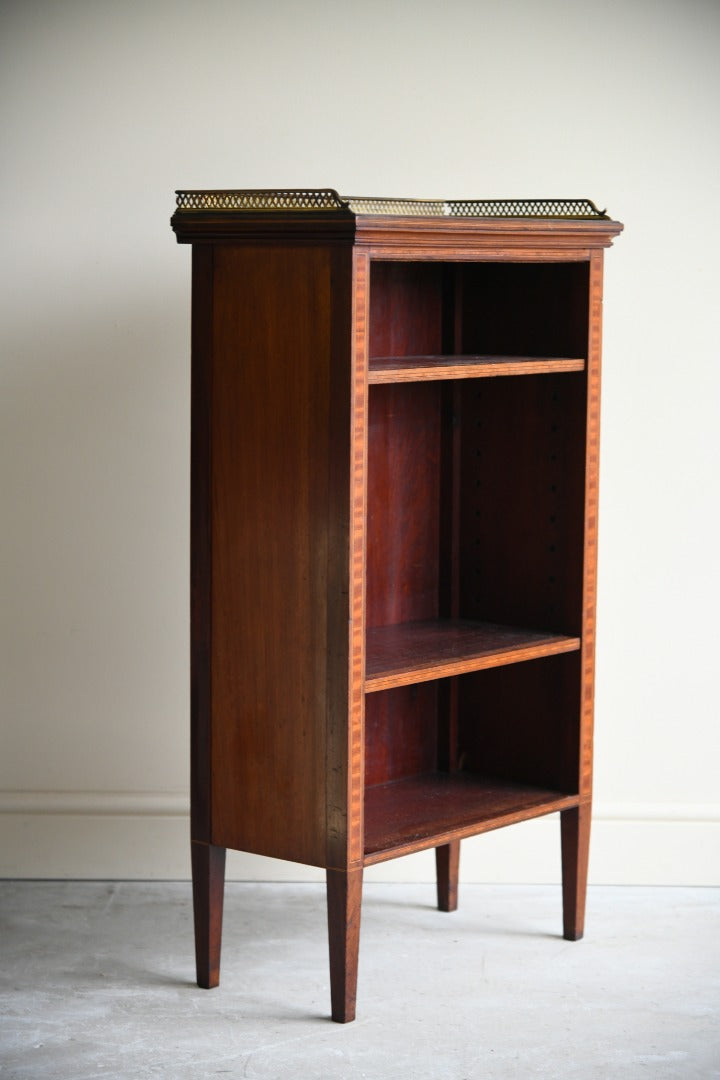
{"points": [[521, 500], [525, 309], [522, 722], [485, 308]]}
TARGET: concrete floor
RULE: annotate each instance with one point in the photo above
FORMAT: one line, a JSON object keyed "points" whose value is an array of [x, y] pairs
{"points": [[96, 980]]}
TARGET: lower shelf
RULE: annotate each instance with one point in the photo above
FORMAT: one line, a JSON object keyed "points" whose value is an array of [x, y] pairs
{"points": [[425, 811]]}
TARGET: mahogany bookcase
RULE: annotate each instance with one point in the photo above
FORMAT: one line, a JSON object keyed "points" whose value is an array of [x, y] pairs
{"points": [[395, 408]]}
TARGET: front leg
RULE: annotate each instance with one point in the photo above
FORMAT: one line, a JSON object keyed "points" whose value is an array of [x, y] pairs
{"points": [[344, 897], [208, 871]]}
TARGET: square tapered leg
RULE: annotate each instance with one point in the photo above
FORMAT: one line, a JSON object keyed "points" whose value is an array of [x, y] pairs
{"points": [[344, 896], [575, 841], [447, 864], [208, 870]]}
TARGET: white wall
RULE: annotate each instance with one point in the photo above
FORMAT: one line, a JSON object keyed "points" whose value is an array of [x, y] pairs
{"points": [[106, 108]]}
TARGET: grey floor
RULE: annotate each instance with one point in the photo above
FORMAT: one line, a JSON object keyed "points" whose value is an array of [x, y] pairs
{"points": [[96, 980]]}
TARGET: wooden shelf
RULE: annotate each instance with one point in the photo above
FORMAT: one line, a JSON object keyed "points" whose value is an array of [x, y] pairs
{"points": [[426, 811], [394, 369], [419, 651]]}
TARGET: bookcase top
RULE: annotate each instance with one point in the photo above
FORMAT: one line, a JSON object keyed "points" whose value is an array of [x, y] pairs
{"points": [[327, 199]]}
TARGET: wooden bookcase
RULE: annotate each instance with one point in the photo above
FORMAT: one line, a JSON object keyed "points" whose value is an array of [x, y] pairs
{"points": [[395, 411]]}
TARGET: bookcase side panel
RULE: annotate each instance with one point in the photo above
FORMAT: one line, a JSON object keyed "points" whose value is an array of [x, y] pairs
{"points": [[272, 396]]}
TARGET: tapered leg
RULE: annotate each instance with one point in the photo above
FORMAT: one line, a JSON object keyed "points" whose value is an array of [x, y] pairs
{"points": [[447, 865], [575, 841], [208, 870], [344, 896]]}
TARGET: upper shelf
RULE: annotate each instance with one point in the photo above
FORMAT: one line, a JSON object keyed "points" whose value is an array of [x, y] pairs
{"points": [[420, 651], [394, 369]]}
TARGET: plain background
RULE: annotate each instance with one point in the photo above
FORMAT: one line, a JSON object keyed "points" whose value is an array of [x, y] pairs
{"points": [[107, 107]]}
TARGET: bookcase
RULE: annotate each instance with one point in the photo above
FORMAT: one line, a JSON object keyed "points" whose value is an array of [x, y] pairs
{"points": [[394, 481]]}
